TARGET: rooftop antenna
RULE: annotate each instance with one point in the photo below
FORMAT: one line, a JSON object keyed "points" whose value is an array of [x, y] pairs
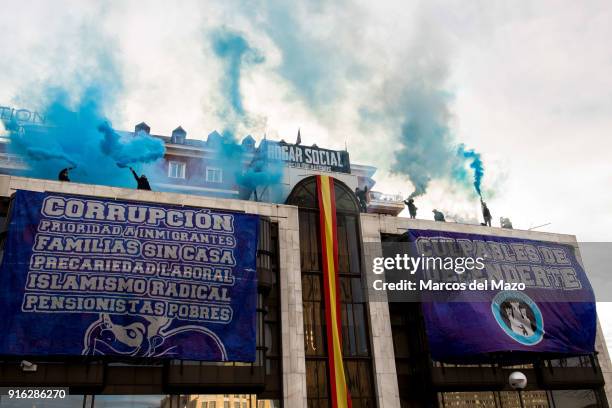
{"points": [[299, 138], [539, 226]]}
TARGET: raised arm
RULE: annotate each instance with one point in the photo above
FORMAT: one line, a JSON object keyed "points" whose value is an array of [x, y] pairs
{"points": [[134, 173]]}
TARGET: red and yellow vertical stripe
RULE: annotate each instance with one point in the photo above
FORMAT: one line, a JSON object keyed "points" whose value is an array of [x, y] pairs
{"points": [[327, 208]]}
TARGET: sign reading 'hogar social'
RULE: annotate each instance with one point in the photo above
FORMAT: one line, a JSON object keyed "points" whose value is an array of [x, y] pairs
{"points": [[308, 157], [87, 276]]}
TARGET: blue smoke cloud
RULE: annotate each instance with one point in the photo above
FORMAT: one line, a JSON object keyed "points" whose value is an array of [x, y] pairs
{"points": [[475, 164], [301, 63], [140, 148], [425, 139], [262, 172], [80, 135], [317, 68], [428, 150], [236, 54], [314, 61], [77, 131], [248, 169]]}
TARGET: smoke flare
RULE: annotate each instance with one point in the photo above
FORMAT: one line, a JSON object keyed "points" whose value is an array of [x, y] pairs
{"points": [[80, 135], [141, 148], [475, 163]]}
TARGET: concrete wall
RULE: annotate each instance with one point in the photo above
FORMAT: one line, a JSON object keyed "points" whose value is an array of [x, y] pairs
{"points": [[292, 327], [603, 356], [372, 225]]}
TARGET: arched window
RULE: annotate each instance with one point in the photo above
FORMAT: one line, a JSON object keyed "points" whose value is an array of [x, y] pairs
{"points": [[304, 195], [355, 325]]}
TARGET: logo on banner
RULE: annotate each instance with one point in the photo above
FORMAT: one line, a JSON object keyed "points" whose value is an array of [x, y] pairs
{"points": [[519, 317], [148, 336]]}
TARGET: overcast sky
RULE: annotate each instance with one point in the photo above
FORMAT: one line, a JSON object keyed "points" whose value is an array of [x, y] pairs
{"points": [[527, 84]]}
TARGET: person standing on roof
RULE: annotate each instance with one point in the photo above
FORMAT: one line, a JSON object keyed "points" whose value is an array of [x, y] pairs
{"points": [[142, 181], [63, 175], [412, 209]]}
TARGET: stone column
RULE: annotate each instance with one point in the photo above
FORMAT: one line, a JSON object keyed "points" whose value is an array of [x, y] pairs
{"points": [[292, 318], [385, 375]]}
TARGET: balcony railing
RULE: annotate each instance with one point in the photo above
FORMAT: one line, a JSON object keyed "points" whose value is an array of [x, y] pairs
{"points": [[382, 203]]}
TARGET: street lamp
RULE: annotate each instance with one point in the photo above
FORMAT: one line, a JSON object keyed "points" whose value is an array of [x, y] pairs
{"points": [[518, 381]]}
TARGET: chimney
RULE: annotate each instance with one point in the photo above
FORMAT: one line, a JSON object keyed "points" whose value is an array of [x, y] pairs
{"points": [[142, 127], [178, 136]]}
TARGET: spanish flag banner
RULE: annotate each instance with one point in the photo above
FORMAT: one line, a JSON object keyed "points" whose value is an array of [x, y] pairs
{"points": [[327, 208]]}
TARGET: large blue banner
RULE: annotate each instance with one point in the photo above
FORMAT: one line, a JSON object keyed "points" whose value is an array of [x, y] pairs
{"points": [[92, 276], [524, 296]]}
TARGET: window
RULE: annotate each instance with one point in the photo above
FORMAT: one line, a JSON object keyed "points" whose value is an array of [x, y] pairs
{"points": [[574, 398], [354, 318], [176, 169], [214, 175]]}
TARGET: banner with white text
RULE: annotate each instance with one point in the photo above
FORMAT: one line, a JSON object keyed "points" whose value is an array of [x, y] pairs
{"points": [[93, 276], [528, 296]]}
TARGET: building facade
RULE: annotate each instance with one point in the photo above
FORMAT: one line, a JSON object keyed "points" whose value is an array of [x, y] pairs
{"points": [[383, 349]]}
